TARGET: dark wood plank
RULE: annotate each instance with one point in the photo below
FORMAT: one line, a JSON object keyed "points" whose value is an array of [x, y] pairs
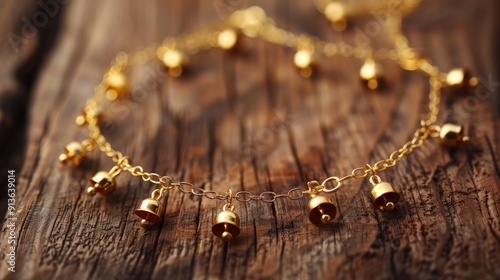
{"points": [[247, 121]]}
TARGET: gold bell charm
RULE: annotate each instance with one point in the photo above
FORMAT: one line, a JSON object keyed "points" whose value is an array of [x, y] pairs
{"points": [[227, 223], [103, 182], [371, 74], [335, 11], [305, 62], [150, 208], [73, 154], [227, 39], [321, 210], [460, 78], [173, 59], [383, 194], [116, 84], [452, 134]]}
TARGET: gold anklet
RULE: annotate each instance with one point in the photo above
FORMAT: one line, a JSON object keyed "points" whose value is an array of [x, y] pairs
{"points": [[227, 35]]}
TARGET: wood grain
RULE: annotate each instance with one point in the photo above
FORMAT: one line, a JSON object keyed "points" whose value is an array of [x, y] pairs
{"points": [[248, 121]]}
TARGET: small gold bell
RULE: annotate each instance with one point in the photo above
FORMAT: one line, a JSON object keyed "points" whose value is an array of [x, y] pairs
{"points": [[103, 182], [335, 11], [460, 78], [250, 20], [73, 154], [371, 74], [321, 210], [452, 134], [116, 83], [226, 225], [173, 59], [227, 39], [304, 61], [384, 196], [149, 211]]}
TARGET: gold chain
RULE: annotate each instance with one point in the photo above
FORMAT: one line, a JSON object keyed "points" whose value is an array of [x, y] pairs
{"points": [[268, 31], [253, 22]]}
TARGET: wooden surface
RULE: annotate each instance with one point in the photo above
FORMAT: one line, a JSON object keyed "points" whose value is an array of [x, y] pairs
{"points": [[225, 120]]}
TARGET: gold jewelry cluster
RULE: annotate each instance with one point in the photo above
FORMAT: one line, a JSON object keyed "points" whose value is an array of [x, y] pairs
{"points": [[229, 34]]}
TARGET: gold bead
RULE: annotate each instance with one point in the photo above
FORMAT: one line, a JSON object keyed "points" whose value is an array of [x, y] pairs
{"points": [[452, 134], [371, 74], [73, 154], [112, 94], [80, 120], [227, 236], [336, 12], [91, 191], [227, 39], [325, 218], [321, 210], [460, 78], [145, 223], [384, 197], [226, 225]]}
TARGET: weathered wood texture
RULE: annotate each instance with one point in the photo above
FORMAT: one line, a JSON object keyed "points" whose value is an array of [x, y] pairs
{"points": [[223, 124]]}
